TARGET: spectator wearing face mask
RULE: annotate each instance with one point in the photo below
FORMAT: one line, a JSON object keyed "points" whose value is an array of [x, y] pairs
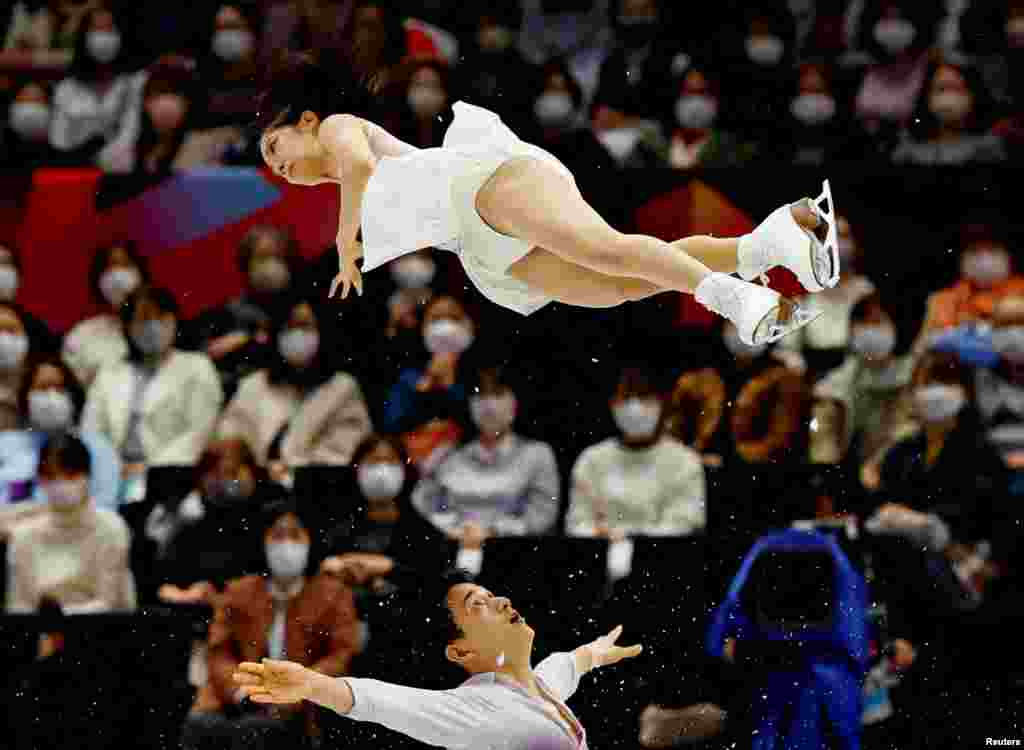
{"points": [[428, 405], [12, 277], [191, 562], [636, 77], [96, 109], [499, 484], [376, 42], [863, 406], [49, 402], [947, 471], [817, 128], [986, 276], [236, 336], [158, 407], [896, 37], [25, 140], [641, 481], [698, 139], [823, 343], [298, 411], [116, 271], [428, 102], [629, 141], [289, 613], [953, 119], [76, 554], [759, 59], [490, 62], [1000, 389], [168, 105], [229, 68], [15, 346]]}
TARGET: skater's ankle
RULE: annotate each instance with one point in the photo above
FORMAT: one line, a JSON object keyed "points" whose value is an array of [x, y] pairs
{"points": [[804, 215]]}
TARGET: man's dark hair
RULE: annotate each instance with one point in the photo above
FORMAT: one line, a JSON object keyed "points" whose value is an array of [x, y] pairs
{"points": [[440, 620], [67, 452]]}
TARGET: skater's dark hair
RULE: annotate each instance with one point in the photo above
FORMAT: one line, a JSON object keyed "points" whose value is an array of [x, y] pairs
{"points": [[297, 83], [440, 620]]}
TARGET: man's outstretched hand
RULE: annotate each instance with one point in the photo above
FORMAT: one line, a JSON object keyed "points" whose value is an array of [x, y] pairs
{"points": [[605, 652]]}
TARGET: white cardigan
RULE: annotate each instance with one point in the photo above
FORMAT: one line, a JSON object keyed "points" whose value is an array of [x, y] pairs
{"points": [[179, 409]]}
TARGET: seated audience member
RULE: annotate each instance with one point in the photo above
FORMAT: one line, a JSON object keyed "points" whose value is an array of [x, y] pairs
{"points": [[952, 122], [636, 77], [286, 614], [1001, 388], [698, 136], [97, 107], [25, 138], [868, 392], [376, 42], [818, 129], [303, 25], [298, 411], [159, 406], [15, 347], [11, 278], [428, 405], [489, 60], [76, 555], [986, 276], [823, 342], [116, 271], [947, 484], [236, 336], [192, 563], [428, 104], [49, 402], [499, 484], [229, 70], [641, 481], [628, 140]]}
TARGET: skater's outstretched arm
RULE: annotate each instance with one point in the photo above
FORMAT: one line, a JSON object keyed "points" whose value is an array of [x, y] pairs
{"points": [[447, 718]]}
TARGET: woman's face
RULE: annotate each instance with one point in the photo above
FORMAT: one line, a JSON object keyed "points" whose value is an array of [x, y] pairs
{"points": [[287, 528], [427, 94], [294, 152], [446, 308], [382, 453], [167, 111], [10, 322], [812, 81], [303, 318], [120, 259], [47, 378]]}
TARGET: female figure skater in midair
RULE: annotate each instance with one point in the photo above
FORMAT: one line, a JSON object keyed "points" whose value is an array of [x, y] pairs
{"points": [[514, 215]]}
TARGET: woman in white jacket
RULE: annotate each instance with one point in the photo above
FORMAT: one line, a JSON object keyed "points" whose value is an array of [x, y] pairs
{"points": [[159, 406]]}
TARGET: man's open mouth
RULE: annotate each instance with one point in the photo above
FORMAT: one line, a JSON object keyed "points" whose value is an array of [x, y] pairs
{"points": [[516, 618]]}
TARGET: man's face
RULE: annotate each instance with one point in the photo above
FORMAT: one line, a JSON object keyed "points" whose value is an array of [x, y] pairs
{"points": [[490, 627]]}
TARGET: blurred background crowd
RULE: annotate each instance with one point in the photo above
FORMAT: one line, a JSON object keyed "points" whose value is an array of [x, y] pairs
{"points": [[283, 471]]}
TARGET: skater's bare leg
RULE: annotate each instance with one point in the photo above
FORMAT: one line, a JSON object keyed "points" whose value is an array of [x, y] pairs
{"points": [[577, 285]]}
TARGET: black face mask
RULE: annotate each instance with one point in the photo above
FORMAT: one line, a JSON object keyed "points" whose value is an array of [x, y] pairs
{"points": [[637, 33]]}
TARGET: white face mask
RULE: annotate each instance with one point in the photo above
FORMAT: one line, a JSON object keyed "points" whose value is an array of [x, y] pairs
{"points": [[553, 109], [66, 494], [287, 559], [873, 340], [493, 414], [232, 45], [381, 481], [894, 34], [637, 418], [8, 283], [696, 111], [104, 46], [446, 336], [985, 267], [269, 275], [765, 50], [736, 347], [414, 272], [938, 402], [426, 101], [13, 348], [154, 337], [50, 410], [117, 283], [950, 106], [813, 109], [30, 120], [298, 346], [1008, 340], [620, 142]]}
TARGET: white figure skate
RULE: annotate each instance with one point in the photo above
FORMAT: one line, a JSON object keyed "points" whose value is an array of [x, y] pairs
{"points": [[761, 315], [780, 241]]}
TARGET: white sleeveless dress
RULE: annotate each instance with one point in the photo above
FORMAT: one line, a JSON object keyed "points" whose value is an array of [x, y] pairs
{"points": [[427, 198]]}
